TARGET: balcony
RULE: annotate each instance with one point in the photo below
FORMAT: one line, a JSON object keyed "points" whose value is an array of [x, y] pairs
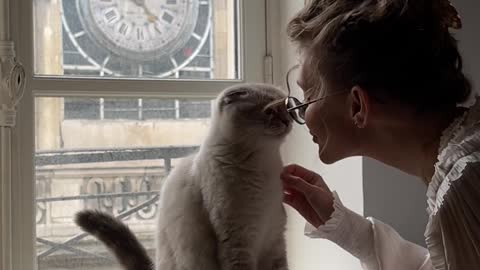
{"points": [[123, 182]]}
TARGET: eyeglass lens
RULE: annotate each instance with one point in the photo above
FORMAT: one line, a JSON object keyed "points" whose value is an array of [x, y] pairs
{"points": [[298, 114]]}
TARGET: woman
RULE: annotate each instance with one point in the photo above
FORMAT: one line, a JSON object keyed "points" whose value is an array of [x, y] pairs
{"points": [[384, 79]]}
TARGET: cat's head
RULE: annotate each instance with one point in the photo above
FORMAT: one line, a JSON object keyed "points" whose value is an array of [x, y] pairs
{"points": [[253, 109]]}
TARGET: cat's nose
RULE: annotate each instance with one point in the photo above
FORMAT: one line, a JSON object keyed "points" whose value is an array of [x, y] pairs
{"points": [[279, 111]]}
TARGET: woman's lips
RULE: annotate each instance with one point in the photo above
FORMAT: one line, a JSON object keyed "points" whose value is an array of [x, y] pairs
{"points": [[315, 139]]}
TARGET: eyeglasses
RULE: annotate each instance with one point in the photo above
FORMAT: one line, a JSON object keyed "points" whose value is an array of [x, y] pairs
{"points": [[295, 108]]}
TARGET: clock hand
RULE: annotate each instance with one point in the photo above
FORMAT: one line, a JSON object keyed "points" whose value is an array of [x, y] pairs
{"points": [[150, 16]]}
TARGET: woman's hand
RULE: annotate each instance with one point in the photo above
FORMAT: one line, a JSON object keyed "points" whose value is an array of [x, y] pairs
{"points": [[306, 191]]}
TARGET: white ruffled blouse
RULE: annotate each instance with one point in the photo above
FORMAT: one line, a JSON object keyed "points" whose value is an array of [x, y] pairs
{"points": [[453, 231]]}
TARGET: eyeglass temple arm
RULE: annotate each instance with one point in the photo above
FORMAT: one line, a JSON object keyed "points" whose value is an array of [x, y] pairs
{"points": [[315, 100], [302, 105]]}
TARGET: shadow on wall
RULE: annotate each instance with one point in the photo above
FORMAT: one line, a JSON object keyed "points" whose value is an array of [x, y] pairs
{"points": [[469, 38], [395, 198]]}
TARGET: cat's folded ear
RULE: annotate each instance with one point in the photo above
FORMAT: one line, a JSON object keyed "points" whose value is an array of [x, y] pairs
{"points": [[235, 95]]}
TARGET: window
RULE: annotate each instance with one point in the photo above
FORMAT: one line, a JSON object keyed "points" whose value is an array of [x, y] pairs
{"points": [[117, 101], [136, 109], [125, 38]]}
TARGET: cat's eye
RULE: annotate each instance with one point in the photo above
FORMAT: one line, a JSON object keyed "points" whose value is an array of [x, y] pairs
{"points": [[269, 111]]}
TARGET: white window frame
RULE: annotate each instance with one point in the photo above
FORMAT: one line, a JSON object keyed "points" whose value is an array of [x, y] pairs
{"points": [[253, 58]]}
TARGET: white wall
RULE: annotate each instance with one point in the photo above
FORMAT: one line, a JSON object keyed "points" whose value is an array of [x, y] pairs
{"points": [[345, 177]]}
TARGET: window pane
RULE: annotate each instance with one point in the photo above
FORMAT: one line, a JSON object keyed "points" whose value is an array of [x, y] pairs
{"points": [[195, 108], [82, 108], [136, 109], [115, 166], [124, 38], [159, 109], [121, 108]]}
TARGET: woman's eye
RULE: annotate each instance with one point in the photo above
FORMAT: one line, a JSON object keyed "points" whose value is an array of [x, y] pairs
{"points": [[302, 111]]}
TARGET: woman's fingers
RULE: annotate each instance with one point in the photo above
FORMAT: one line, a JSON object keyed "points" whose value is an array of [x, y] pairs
{"points": [[320, 200], [307, 175], [298, 184], [300, 171], [299, 203]]}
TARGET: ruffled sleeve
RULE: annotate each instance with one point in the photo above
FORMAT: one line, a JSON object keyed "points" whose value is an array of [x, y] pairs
{"points": [[454, 235], [453, 231], [375, 244], [347, 229]]}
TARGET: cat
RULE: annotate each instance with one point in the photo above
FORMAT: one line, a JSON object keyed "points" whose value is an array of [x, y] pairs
{"points": [[220, 208]]}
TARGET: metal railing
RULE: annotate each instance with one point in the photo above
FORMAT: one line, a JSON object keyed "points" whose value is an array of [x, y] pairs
{"points": [[124, 182]]}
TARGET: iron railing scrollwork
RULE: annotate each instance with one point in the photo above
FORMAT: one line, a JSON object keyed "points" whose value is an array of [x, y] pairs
{"points": [[123, 182]]}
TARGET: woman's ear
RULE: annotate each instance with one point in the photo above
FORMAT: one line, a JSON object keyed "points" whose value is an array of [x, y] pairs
{"points": [[360, 106]]}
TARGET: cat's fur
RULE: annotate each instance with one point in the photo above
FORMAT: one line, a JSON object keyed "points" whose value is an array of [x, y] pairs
{"points": [[222, 207]]}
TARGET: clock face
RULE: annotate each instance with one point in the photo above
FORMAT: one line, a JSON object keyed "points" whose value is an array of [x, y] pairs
{"points": [[140, 29], [137, 37]]}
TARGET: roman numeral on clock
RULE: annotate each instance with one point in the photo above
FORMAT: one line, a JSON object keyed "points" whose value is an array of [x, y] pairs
{"points": [[140, 35], [123, 29], [111, 15]]}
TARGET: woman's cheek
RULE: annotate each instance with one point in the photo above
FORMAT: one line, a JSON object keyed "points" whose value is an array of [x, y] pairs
{"points": [[310, 118]]}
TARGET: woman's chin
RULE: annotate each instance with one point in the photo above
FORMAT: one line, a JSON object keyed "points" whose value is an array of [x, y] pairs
{"points": [[326, 160], [324, 156]]}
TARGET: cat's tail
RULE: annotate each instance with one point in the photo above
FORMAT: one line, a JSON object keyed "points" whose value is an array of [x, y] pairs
{"points": [[117, 237]]}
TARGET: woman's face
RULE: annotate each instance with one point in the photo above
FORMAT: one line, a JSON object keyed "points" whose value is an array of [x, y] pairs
{"points": [[329, 120]]}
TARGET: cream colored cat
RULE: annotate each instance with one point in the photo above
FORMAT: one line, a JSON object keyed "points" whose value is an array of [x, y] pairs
{"points": [[222, 207]]}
